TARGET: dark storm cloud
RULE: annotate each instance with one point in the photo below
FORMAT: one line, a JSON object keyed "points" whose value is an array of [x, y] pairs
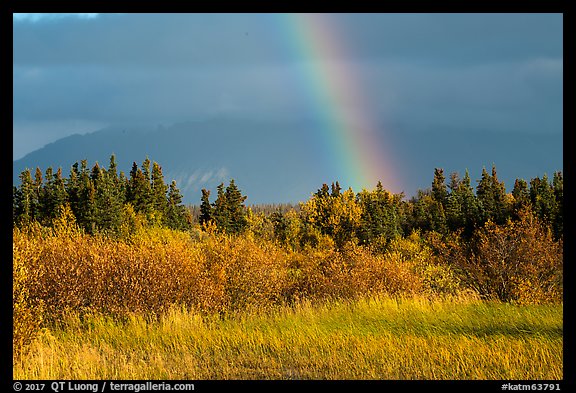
{"points": [[498, 71], [454, 39], [521, 96], [195, 39], [149, 39]]}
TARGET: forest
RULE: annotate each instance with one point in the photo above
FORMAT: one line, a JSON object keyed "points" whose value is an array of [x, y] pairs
{"points": [[102, 200], [100, 243]]}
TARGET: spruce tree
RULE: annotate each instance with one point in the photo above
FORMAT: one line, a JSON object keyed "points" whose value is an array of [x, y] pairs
{"points": [[118, 185], [454, 214], [462, 211], [205, 208], [24, 195], [73, 189], [439, 192], [236, 209], [108, 203], [176, 214], [492, 197], [61, 197], [543, 198], [87, 208], [44, 205], [146, 169], [123, 187], [470, 204], [485, 197], [54, 195], [159, 190], [521, 197], [139, 190], [220, 209], [501, 208], [37, 195], [113, 168], [96, 173], [380, 214]]}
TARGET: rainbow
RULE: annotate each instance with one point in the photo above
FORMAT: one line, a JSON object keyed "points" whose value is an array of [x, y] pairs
{"points": [[349, 131]]}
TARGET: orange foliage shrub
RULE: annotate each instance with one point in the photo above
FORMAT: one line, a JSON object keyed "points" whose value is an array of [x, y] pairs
{"points": [[27, 309], [518, 262]]}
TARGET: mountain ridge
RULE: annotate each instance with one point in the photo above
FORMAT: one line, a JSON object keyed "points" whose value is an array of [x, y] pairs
{"points": [[281, 163]]}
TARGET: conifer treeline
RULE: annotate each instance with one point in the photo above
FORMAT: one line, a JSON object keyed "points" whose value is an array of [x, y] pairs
{"points": [[380, 216], [101, 199], [456, 207], [228, 212]]}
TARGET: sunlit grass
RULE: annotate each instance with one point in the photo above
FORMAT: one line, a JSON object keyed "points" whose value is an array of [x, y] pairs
{"points": [[371, 338]]}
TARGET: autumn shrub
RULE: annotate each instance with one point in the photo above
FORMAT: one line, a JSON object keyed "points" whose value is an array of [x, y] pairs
{"points": [[154, 268], [433, 275], [517, 262], [151, 270], [240, 272], [145, 272], [350, 272], [27, 309]]}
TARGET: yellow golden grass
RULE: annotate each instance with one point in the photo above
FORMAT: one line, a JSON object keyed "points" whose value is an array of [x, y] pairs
{"points": [[376, 338]]}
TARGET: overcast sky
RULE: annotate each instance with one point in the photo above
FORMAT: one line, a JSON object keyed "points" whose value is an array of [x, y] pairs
{"points": [[77, 74]]}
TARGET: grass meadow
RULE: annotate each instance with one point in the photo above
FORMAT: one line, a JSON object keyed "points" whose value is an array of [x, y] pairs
{"points": [[376, 338]]}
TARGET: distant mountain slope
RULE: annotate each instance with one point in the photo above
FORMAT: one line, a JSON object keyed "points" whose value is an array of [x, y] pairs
{"points": [[270, 163], [278, 163]]}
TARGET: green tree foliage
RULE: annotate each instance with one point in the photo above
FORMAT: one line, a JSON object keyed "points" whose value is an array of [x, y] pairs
{"points": [[117, 181], [87, 209], [98, 198], [104, 200], [139, 191], [520, 197], [546, 199], [462, 210], [382, 215], [236, 209], [220, 210], [73, 188], [54, 195], [177, 216], [205, 208], [428, 213], [159, 189], [335, 189], [492, 199], [23, 205], [37, 195], [439, 191], [228, 211], [107, 200]]}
